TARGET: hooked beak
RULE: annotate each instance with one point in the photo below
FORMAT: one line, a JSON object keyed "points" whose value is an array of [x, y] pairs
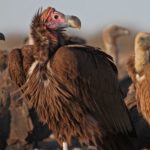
{"points": [[124, 31], [2, 37], [73, 22]]}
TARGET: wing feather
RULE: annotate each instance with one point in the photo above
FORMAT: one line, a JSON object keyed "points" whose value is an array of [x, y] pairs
{"points": [[15, 67], [79, 88], [91, 76]]}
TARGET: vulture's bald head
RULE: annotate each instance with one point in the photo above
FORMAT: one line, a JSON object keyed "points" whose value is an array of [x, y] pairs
{"points": [[142, 40], [55, 20], [142, 45], [2, 37]]}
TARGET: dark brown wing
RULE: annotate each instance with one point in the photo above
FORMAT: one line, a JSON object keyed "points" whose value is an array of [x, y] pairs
{"points": [[90, 76], [15, 65], [19, 63], [77, 94]]}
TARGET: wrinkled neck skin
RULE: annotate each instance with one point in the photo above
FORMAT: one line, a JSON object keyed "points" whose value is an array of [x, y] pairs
{"points": [[111, 48], [141, 58], [45, 42]]}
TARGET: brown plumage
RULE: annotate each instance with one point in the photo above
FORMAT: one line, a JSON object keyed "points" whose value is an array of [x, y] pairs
{"points": [[15, 123], [140, 124], [138, 68], [4, 108], [74, 88]]}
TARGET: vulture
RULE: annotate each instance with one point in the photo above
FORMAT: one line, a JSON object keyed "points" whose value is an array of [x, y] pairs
{"points": [[110, 36], [4, 109], [137, 99], [15, 123], [138, 69], [74, 88], [140, 124]]}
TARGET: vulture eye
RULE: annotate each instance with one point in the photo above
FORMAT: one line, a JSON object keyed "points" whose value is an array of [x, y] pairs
{"points": [[142, 39], [56, 17]]}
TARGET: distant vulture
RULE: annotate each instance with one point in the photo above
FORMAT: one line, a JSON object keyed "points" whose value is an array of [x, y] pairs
{"points": [[141, 125], [138, 68], [74, 88], [15, 123], [110, 37], [133, 100]]}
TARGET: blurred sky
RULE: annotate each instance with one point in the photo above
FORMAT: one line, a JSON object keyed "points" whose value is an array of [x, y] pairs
{"points": [[16, 15]]}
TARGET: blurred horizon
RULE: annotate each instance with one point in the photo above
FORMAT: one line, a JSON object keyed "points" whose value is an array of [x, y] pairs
{"points": [[16, 16]]}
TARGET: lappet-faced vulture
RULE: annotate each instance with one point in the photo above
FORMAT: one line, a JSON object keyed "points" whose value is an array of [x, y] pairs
{"points": [[74, 88]]}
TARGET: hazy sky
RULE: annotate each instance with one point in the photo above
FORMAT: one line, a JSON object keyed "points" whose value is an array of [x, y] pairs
{"points": [[95, 14]]}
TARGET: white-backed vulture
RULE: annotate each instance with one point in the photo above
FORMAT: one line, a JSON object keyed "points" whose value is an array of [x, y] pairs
{"points": [[140, 124], [74, 88], [138, 95], [110, 36], [138, 69]]}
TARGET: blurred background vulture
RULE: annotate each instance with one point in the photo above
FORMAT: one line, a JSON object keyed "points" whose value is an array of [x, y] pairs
{"points": [[74, 88], [4, 112], [110, 37], [137, 99], [138, 68], [15, 123]]}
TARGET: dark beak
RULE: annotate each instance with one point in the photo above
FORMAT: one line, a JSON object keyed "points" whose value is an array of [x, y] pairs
{"points": [[73, 22], [2, 37], [124, 31]]}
